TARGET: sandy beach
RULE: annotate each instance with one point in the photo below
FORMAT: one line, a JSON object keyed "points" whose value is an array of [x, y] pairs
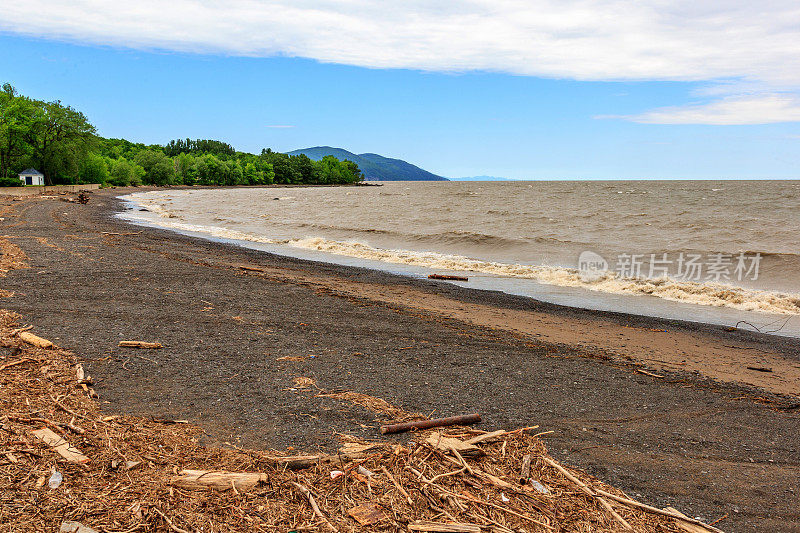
{"points": [[666, 410]]}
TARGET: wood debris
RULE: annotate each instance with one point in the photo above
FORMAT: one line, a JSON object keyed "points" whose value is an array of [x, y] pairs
{"points": [[141, 344], [35, 340], [60, 445]]}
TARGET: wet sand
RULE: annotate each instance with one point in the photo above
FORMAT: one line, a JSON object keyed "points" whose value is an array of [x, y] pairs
{"points": [[709, 437]]}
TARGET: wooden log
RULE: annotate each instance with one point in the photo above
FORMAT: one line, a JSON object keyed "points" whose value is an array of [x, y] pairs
{"points": [[447, 277], [37, 341], [434, 423], [141, 344], [217, 480], [60, 445], [441, 527]]}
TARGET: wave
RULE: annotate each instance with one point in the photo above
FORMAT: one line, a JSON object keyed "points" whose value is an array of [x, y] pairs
{"points": [[712, 294], [709, 294], [468, 237]]}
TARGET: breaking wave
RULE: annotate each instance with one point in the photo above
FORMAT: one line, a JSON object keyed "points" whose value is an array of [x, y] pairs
{"points": [[712, 294]]}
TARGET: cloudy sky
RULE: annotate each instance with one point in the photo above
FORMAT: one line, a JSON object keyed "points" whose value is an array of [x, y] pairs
{"points": [[526, 89]]}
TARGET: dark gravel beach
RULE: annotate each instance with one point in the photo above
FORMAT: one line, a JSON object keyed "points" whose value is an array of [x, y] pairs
{"points": [[709, 447]]}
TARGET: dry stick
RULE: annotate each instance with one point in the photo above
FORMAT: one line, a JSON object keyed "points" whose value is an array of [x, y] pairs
{"points": [[58, 425], [396, 484], [492, 435], [461, 460], [14, 363], [172, 526], [656, 510], [66, 409], [588, 491], [313, 503], [476, 500], [646, 373]]}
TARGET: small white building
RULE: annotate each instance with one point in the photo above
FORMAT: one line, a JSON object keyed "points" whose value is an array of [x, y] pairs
{"points": [[31, 176]]}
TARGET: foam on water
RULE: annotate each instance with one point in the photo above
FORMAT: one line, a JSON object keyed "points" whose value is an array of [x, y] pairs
{"points": [[707, 294]]}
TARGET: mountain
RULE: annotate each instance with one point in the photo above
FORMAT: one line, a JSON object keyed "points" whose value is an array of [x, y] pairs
{"points": [[375, 167]]}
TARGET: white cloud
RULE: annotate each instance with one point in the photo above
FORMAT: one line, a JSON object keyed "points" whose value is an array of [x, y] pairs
{"points": [[731, 110], [749, 44], [578, 39]]}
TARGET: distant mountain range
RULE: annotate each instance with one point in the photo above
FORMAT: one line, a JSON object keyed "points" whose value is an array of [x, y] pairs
{"points": [[375, 167]]}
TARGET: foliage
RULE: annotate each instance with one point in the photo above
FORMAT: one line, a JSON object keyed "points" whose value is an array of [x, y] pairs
{"points": [[61, 143]]}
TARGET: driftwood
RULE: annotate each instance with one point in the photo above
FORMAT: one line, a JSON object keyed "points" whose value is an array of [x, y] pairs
{"points": [[646, 373], [141, 344], [457, 446], [60, 445], [683, 524], [217, 480], [589, 492], [434, 423], [438, 527], [656, 510], [15, 363], [447, 277], [313, 503], [39, 342], [350, 451]]}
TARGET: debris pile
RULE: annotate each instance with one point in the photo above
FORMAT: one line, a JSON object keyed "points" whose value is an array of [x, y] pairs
{"points": [[65, 464]]}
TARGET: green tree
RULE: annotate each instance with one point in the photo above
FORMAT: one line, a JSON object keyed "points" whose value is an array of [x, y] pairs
{"points": [[159, 169], [185, 169], [60, 138], [94, 169], [124, 173], [16, 114]]}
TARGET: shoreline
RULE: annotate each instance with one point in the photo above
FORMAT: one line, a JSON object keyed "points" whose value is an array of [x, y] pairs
{"points": [[553, 322], [423, 345]]}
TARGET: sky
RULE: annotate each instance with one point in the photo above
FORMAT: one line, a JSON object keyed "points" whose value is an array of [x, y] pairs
{"points": [[526, 89]]}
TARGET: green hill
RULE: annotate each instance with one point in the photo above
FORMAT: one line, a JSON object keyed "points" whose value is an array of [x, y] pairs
{"points": [[375, 167]]}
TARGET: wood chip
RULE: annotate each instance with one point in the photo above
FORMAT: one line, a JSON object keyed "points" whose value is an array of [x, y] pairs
{"points": [[368, 514]]}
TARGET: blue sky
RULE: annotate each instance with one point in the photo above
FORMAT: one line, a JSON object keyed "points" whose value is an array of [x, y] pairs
{"points": [[454, 119]]}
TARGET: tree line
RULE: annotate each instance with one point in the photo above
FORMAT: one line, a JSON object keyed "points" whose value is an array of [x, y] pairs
{"points": [[60, 142]]}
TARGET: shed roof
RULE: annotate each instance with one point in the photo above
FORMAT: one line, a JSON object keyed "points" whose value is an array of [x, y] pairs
{"points": [[30, 172]]}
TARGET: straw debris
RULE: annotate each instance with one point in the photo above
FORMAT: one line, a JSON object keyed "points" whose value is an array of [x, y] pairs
{"points": [[144, 475]]}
